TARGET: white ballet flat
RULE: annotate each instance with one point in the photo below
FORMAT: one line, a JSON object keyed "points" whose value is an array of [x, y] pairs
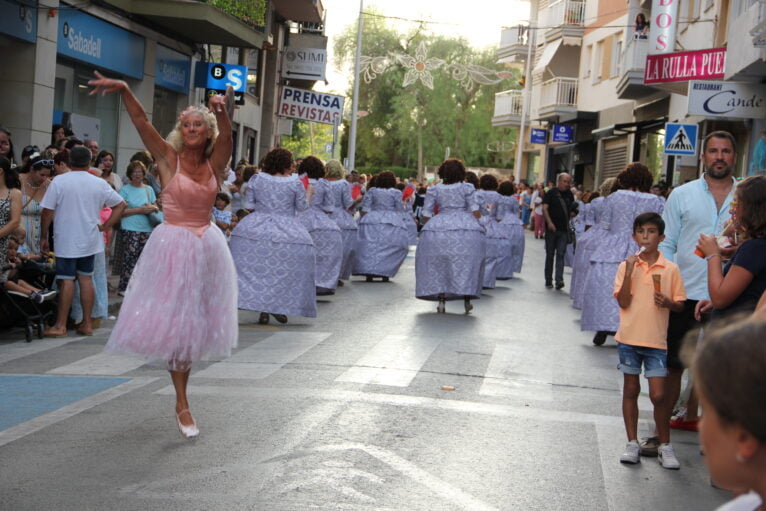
{"points": [[191, 431]]}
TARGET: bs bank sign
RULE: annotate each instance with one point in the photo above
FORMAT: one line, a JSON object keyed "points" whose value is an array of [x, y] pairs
{"points": [[727, 99], [19, 19], [103, 45]]}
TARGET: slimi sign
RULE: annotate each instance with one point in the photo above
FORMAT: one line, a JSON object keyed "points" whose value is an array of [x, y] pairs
{"points": [[727, 99], [311, 106]]}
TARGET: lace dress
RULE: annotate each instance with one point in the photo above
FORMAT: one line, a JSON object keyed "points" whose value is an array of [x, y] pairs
{"points": [[498, 238], [273, 252], [341, 193], [508, 211], [450, 255], [326, 235], [383, 240]]}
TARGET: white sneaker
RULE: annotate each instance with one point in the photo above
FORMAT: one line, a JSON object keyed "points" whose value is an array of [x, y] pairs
{"points": [[667, 457], [631, 454]]}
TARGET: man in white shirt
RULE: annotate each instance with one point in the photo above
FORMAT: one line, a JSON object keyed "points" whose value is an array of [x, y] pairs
{"points": [[77, 198]]}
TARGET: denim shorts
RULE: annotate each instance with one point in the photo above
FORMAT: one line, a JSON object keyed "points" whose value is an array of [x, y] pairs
{"points": [[67, 268], [655, 360]]}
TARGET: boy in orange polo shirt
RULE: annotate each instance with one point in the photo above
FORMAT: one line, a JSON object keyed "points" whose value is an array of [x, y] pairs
{"points": [[647, 287]]}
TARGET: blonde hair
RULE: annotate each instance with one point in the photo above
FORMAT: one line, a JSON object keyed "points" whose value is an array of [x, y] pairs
{"points": [[175, 138], [606, 187], [334, 169]]}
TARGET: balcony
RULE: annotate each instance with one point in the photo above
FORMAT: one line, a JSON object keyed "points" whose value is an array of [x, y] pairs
{"points": [[513, 44], [564, 19], [508, 106], [558, 99], [632, 64], [746, 43]]}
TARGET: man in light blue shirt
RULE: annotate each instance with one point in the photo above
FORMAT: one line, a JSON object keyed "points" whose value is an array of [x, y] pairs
{"points": [[698, 207]]}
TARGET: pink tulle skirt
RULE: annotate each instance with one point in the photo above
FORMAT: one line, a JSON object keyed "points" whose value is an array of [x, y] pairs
{"points": [[181, 303]]}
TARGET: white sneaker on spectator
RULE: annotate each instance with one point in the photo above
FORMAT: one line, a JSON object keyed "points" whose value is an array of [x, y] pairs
{"points": [[667, 457], [631, 454], [48, 294]]}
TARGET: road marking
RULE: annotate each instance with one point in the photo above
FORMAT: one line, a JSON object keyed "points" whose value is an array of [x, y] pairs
{"points": [[264, 358], [450, 405], [24, 349], [32, 426], [417, 474], [103, 364], [504, 378], [394, 361]]}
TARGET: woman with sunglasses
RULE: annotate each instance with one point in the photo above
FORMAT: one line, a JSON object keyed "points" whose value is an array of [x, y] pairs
{"points": [[33, 186]]}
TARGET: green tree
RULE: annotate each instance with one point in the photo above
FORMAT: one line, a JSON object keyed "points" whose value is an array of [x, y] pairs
{"points": [[408, 125], [309, 138]]}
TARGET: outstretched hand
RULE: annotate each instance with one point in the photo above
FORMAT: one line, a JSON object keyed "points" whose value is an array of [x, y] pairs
{"points": [[105, 85], [219, 104]]}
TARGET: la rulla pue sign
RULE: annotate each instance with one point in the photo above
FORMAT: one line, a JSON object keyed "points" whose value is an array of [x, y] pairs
{"points": [[683, 66]]}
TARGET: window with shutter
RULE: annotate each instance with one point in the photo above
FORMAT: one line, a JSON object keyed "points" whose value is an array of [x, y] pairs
{"points": [[613, 160]]}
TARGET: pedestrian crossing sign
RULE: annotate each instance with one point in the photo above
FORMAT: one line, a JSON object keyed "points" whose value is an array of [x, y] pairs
{"points": [[681, 139]]}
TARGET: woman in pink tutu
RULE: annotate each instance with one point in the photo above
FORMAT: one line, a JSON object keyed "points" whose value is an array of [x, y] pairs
{"points": [[181, 303]]}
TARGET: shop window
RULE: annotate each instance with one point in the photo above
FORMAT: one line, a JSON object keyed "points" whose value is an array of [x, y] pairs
{"points": [[165, 110], [253, 73]]}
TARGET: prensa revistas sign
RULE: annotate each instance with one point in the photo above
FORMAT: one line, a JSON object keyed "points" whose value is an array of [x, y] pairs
{"points": [[728, 99], [686, 65], [311, 106]]}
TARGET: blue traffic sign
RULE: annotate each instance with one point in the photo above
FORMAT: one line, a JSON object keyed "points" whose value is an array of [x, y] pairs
{"points": [[538, 136], [681, 139], [563, 133]]}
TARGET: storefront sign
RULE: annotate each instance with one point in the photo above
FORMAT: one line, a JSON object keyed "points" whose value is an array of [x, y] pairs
{"points": [[662, 29], [304, 63], [686, 65], [538, 136], [563, 133], [680, 139], [216, 78], [311, 106], [172, 70], [88, 39], [19, 19], [727, 99]]}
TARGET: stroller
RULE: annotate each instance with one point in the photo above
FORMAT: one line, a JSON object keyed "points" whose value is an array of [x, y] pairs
{"points": [[17, 309]]}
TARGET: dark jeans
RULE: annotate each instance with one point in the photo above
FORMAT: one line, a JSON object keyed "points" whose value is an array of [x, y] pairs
{"points": [[555, 245]]}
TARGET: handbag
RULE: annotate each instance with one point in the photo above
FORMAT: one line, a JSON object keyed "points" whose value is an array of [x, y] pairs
{"points": [[155, 217], [570, 227]]}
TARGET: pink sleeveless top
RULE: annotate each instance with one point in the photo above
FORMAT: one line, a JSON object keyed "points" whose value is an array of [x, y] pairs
{"points": [[187, 204]]}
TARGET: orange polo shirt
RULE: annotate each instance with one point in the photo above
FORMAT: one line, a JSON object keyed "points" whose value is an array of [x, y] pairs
{"points": [[644, 323]]}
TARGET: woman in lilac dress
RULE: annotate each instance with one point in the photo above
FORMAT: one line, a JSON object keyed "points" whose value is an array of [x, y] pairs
{"points": [[340, 190], [600, 311], [383, 238], [272, 250], [327, 237], [508, 213], [587, 241], [498, 238], [449, 263]]}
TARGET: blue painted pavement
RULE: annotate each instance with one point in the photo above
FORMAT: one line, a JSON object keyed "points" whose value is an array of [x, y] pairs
{"points": [[23, 398]]}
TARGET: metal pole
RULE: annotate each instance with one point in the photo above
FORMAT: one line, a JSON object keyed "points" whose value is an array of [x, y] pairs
{"points": [[525, 101], [355, 99]]}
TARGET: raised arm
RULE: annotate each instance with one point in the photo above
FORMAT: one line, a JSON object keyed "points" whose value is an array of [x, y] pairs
{"points": [[223, 108], [162, 152]]}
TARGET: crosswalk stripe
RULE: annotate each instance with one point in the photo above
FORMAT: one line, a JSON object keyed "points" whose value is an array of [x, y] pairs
{"points": [[20, 349], [504, 378], [394, 361], [266, 357], [103, 364]]}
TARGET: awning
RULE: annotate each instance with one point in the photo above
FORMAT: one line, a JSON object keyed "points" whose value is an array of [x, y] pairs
{"points": [[311, 11], [625, 128], [547, 56], [198, 22]]}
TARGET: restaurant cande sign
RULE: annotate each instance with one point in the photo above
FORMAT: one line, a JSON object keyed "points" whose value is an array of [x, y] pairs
{"points": [[727, 99], [686, 65]]}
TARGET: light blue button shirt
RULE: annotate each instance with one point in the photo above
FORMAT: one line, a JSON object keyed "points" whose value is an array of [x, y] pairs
{"points": [[690, 211]]}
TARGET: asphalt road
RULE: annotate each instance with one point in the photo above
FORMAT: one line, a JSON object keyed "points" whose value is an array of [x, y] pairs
{"points": [[377, 404]]}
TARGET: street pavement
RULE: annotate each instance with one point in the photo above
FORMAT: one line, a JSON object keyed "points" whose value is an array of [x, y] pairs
{"points": [[377, 404]]}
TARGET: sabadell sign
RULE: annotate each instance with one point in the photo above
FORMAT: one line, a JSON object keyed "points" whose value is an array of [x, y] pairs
{"points": [[311, 106], [727, 99]]}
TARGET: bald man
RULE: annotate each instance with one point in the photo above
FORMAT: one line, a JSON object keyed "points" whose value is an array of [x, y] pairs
{"points": [[557, 209]]}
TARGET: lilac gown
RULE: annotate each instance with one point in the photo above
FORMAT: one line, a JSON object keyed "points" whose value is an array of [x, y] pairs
{"points": [[585, 244], [508, 211], [450, 255], [383, 238], [326, 235], [273, 251], [498, 237], [600, 311], [341, 194]]}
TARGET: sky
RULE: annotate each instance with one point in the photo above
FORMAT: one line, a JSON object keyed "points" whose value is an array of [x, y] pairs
{"points": [[479, 21]]}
